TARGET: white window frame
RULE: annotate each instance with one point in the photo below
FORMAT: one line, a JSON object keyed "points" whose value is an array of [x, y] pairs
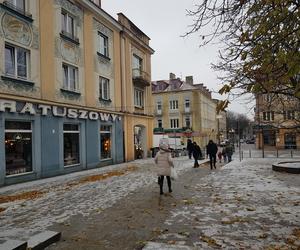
{"points": [[73, 132], [185, 120], [174, 123], [104, 84], [65, 24], [137, 65], [158, 105], [14, 2], [67, 79], [174, 105], [103, 44], [15, 50], [138, 98], [187, 103]]}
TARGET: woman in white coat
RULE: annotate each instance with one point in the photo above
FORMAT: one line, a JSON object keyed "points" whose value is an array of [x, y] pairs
{"points": [[164, 163]]}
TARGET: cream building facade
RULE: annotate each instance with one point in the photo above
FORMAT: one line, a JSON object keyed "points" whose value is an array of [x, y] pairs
{"points": [[73, 88], [184, 110]]}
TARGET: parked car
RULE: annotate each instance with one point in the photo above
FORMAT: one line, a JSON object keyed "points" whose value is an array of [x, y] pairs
{"points": [[250, 141]]}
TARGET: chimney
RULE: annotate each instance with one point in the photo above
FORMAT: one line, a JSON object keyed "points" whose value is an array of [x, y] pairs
{"points": [[189, 80], [172, 76]]}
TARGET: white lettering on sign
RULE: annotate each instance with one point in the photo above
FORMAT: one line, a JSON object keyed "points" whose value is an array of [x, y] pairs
{"points": [[56, 113], [10, 105], [72, 113], [93, 116], [28, 108], [83, 114], [43, 109], [104, 117]]}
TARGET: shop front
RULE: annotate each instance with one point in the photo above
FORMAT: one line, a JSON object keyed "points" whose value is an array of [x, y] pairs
{"points": [[41, 140]]}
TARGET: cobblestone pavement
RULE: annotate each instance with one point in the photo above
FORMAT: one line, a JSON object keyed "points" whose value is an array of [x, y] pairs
{"points": [[240, 205]]}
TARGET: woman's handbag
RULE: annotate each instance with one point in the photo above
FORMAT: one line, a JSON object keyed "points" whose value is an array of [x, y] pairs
{"points": [[174, 175]]}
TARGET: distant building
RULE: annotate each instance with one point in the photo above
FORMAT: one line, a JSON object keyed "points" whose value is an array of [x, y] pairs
{"points": [[277, 121], [185, 110]]}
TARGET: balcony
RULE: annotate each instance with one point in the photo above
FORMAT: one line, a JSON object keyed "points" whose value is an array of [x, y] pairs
{"points": [[16, 10], [158, 112], [141, 78]]}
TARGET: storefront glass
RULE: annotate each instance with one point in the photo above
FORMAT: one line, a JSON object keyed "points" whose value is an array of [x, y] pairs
{"points": [[71, 145], [105, 142], [18, 147]]}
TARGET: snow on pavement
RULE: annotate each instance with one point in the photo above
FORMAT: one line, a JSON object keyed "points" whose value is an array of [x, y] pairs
{"points": [[60, 199]]}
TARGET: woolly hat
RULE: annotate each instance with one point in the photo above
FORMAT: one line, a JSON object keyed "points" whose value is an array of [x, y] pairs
{"points": [[164, 143]]}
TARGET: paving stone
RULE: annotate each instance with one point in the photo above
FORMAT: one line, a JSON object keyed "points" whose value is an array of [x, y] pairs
{"points": [[42, 240], [13, 245]]}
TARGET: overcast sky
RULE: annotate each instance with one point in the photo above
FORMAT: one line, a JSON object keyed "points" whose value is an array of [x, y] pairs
{"points": [[165, 21]]}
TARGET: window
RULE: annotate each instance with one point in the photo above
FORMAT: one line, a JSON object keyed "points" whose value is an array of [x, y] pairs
{"points": [[104, 92], [174, 123], [187, 103], [70, 77], [137, 65], [68, 24], [289, 115], [19, 4], [174, 104], [18, 147], [159, 105], [159, 123], [268, 116], [71, 145], [105, 142], [103, 44], [139, 98], [16, 61], [188, 122]]}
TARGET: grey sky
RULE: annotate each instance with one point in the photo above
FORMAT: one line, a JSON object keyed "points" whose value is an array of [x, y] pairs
{"points": [[165, 21]]}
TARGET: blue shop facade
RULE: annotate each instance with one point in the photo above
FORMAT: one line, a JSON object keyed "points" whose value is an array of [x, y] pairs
{"points": [[39, 140]]}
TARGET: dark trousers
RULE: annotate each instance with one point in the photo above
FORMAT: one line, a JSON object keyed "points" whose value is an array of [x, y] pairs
{"points": [[196, 164], [161, 183], [190, 154], [212, 160]]}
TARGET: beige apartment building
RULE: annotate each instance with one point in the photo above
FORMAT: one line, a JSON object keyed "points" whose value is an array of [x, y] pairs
{"points": [[277, 122], [74, 86], [185, 110]]}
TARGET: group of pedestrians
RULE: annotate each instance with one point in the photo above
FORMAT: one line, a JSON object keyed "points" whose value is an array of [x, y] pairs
{"points": [[164, 160]]}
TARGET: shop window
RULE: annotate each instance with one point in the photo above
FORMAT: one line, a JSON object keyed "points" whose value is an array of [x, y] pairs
{"points": [[18, 147], [105, 142], [16, 61], [70, 77], [104, 88], [103, 45], [71, 145]]}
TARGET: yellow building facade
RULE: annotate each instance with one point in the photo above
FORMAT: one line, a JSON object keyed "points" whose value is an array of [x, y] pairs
{"points": [[73, 90], [184, 110]]}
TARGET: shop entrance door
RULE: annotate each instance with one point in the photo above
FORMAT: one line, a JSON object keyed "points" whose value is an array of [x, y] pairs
{"points": [[140, 142]]}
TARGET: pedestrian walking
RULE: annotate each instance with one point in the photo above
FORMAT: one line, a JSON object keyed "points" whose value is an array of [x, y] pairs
{"points": [[197, 153], [220, 155], [224, 155], [229, 151], [164, 163], [211, 151], [189, 148]]}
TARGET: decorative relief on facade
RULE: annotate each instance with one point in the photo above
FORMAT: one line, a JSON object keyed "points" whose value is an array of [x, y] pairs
{"points": [[12, 87], [68, 52], [137, 52], [72, 9], [16, 30], [103, 29]]}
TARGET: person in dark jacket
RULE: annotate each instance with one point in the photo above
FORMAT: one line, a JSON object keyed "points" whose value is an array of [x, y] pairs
{"points": [[211, 151], [189, 148], [196, 154]]}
